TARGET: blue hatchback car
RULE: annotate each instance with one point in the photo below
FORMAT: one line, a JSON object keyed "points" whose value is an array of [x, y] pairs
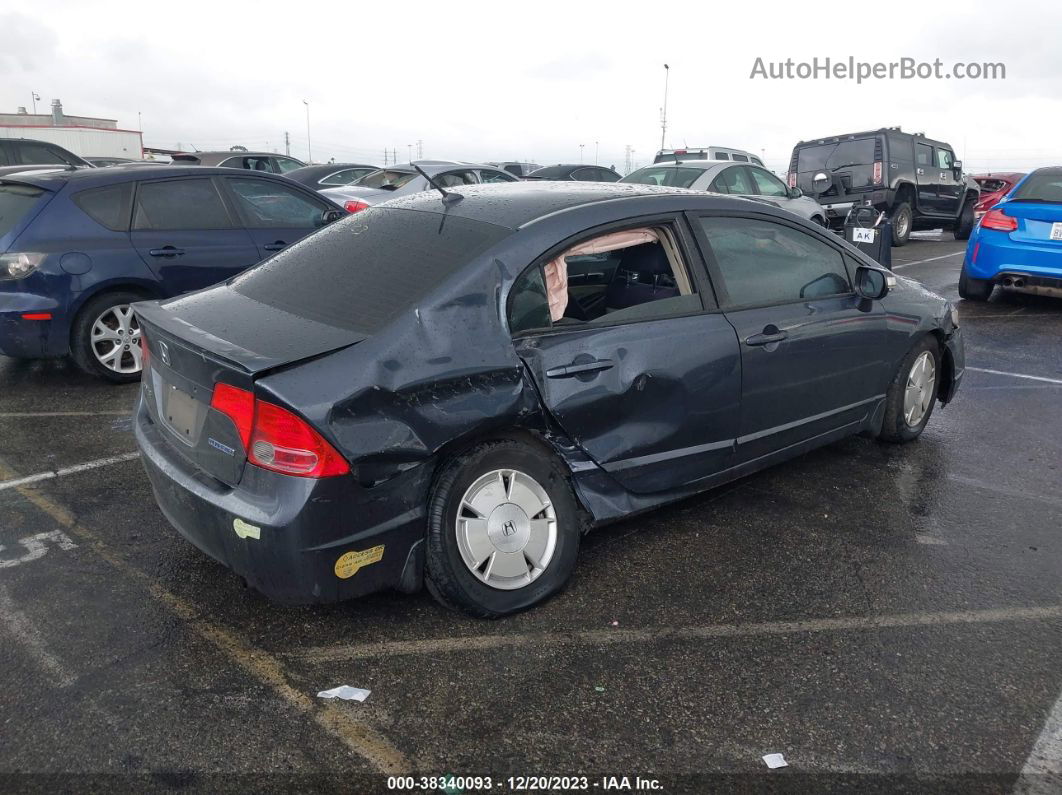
{"points": [[78, 248], [1018, 243]]}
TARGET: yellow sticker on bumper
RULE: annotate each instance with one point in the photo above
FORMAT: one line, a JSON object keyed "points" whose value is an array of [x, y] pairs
{"points": [[349, 564], [246, 529]]}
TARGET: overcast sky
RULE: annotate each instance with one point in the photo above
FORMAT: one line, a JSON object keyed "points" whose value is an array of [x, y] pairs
{"points": [[506, 80]]}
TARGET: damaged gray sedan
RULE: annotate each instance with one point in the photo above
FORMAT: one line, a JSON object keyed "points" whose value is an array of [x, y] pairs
{"points": [[450, 390]]}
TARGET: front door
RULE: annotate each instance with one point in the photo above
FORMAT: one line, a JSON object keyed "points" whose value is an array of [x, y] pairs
{"points": [[811, 349], [186, 236], [950, 187], [641, 377], [928, 177]]}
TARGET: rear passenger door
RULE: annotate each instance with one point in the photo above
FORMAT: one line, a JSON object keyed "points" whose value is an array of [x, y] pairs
{"points": [[811, 349], [276, 215], [187, 236]]}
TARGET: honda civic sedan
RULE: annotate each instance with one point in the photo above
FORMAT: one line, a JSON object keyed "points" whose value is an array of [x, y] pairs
{"points": [[451, 390]]}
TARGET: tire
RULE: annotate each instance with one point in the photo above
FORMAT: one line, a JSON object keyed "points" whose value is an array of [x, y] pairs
{"points": [[904, 421], [902, 220], [964, 226], [974, 289], [89, 353], [479, 476]]}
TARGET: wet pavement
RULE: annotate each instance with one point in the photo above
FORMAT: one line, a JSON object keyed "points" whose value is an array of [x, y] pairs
{"points": [[883, 616]]}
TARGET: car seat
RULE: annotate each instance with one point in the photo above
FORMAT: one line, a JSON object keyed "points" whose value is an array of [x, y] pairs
{"points": [[643, 274]]}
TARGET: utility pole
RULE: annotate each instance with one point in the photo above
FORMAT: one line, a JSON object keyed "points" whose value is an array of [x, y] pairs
{"points": [[309, 149], [385, 156], [663, 111], [596, 150], [627, 159], [287, 143], [409, 150]]}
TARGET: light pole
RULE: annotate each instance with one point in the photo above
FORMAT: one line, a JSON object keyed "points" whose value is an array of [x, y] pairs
{"points": [[597, 148], [663, 112], [35, 97], [309, 149], [409, 150], [581, 152]]}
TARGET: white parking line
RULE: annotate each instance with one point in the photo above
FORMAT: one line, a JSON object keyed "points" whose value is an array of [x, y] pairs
{"points": [[20, 627], [601, 637], [102, 462], [1042, 772], [29, 414], [1017, 375], [929, 259]]}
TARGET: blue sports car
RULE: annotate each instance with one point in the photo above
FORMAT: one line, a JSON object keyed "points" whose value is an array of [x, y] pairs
{"points": [[1018, 243]]}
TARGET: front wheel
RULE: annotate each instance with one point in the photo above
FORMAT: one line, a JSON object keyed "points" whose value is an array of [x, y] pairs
{"points": [[503, 530], [913, 392], [964, 226], [106, 338]]}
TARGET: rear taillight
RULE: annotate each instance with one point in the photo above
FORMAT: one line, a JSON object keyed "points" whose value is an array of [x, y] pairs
{"points": [[999, 220], [145, 352], [355, 206], [238, 406], [792, 179], [877, 172], [277, 439]]}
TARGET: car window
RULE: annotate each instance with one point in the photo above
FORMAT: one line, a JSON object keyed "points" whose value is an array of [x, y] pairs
{"points": [[16, 202], [733, 180], [586, 175], [634, 274], [3, 154], [455, 179], [344, 177], [944, 158], [286, 164], [757, 161], [741, 158], [765, 262], [249, 164], [180, 204], [386, 179], [265, 203], [490, 175], [107, 206], [923, 154], [767, 184], [721, 156], [34, 154], [361, 272], [673, 176]]}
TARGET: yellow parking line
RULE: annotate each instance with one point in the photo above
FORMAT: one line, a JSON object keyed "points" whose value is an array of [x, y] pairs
{"points": [[360, 738]]}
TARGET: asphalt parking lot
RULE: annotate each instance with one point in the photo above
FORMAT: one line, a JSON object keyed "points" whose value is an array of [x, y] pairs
{"points": [[883, 616]]}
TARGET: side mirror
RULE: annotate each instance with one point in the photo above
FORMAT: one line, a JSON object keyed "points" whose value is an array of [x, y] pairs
{"points": [[957, 165], [795, 193], [873, 283]]}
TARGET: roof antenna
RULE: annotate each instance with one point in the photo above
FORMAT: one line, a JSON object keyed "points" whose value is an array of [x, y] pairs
{"points": [[448, 198]]}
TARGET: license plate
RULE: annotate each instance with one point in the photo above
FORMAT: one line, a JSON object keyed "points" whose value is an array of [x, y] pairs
{"points": [[1056, 230], [181, 411], [860, 235]]}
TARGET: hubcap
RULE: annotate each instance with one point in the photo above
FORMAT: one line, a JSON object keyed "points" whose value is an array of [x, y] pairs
{"points": [[115, 339], [921, 389], [901, 224], [506, 529]]}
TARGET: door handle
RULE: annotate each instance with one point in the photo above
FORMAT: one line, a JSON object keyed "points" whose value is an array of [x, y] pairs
{"points": [[576, 368], [766, 337], [166, 251], [275, 246]]}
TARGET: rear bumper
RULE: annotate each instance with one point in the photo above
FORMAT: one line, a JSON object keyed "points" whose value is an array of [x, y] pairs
{"points": [[991, 254], [297, 540], [32, 339]]}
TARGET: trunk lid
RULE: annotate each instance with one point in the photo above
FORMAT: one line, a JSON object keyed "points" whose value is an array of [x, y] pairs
{"points": [[219, 336]]}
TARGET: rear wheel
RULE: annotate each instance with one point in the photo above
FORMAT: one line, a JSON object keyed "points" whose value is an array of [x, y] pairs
{"points": [[503, 530], [106, 337], [913, 392], [964, 226], [901, 224], [974, 289]]}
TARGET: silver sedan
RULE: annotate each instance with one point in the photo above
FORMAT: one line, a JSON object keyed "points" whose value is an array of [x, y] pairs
{"points": [[403, 179], [734, 179]]}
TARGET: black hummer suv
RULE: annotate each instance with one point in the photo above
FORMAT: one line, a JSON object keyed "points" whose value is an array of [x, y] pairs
{"points": [[918, 182]]}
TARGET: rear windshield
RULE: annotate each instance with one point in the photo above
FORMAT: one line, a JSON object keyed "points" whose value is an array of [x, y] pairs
{"points": [[386, 179], [359, 273], [831, 157], [676, 177], [1045, 188], [991, 185], [15, 203]]}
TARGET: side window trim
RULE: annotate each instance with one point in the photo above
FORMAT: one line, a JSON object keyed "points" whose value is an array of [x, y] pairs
{"points": [[716, 275], [688, 250]]}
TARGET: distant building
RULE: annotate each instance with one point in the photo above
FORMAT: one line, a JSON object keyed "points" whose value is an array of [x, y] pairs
{"points": [[82, 135]]}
